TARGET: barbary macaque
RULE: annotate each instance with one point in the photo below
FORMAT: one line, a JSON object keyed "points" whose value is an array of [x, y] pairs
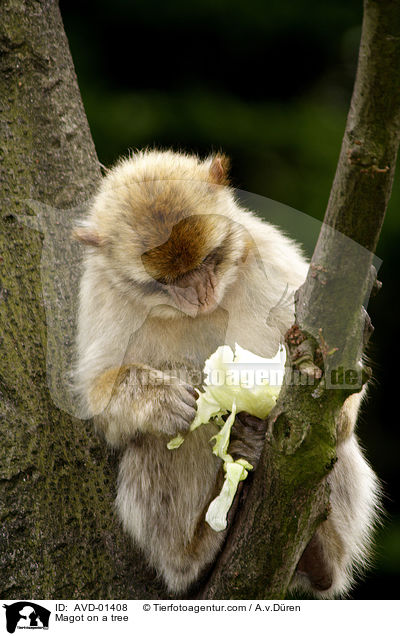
{"points": [[174, 268]]}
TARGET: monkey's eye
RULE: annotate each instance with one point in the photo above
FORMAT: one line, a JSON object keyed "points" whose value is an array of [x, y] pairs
{"points": [[215, 257]]}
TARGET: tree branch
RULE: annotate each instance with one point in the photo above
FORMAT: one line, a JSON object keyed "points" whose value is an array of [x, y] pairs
{"points": [[289, 496]]}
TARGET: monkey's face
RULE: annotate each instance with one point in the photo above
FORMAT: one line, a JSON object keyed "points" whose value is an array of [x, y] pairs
{"points": [[188, 273], [170, 243], [196, 264]]}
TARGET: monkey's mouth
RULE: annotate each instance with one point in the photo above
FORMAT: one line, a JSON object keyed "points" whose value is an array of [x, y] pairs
{"points": [[195, 293]]}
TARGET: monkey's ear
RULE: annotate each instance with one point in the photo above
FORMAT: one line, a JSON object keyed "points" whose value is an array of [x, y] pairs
{"points": [[87, 236], [218, 170]]}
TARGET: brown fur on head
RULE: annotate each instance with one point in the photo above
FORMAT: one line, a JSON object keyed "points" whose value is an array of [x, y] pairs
{"points": [[164, 218], [191, 241]]}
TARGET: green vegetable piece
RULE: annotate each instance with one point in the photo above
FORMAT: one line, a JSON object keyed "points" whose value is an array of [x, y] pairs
{"points": [[222, 438], [218, 509]]}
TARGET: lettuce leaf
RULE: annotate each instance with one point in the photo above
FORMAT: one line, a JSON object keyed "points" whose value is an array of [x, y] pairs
{"points": [[218, 509], [231, 386]]}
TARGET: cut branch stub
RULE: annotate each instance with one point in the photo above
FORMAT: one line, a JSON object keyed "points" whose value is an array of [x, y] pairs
{"points": [[302, 350]]}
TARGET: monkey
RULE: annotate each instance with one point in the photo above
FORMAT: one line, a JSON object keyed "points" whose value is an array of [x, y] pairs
{"points": [[174, 267]]}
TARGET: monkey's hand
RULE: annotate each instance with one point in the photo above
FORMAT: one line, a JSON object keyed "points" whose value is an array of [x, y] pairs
{"points": [[138, 399], [174, 406], [247, 438]]}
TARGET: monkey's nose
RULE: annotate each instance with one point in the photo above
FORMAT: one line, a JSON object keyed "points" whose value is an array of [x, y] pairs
{"points": [[196, 298]]}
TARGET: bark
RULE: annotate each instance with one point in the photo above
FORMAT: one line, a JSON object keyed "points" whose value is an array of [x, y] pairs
{"points": [[289, 496], [59, 537]]}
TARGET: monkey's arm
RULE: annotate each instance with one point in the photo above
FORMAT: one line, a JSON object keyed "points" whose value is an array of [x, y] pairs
{"points": [[136, 398]]}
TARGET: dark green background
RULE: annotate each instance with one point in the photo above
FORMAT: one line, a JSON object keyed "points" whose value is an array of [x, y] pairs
{"points": [[269, 83]]}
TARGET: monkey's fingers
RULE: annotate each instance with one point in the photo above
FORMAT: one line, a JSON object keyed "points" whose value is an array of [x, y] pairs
{"points": [[247, 438], [190, 389], [182, 421], [188, 399], [251, 421]]}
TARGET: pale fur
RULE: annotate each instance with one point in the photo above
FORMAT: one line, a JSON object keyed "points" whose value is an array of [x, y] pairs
{"points": [[162, 494]]}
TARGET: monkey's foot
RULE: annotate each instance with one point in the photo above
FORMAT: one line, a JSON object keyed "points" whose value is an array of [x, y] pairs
{"points": [[314, 565]]}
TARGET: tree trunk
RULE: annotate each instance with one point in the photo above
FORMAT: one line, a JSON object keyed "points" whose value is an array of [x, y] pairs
{"points": [[289, 495], [59, 537]]}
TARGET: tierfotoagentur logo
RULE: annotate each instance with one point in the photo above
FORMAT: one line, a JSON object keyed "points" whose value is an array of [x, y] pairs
{"points": [[26, 615]]}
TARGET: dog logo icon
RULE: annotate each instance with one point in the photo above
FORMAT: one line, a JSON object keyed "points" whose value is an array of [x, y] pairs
{"points": [[26, 615]]}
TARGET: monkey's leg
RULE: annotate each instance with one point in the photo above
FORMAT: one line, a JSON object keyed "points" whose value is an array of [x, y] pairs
{"points": [[163, 497], [246, 441], [341, 545]]}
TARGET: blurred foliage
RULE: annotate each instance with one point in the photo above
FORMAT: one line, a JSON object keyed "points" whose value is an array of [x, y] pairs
{"points": [[269, 84]]}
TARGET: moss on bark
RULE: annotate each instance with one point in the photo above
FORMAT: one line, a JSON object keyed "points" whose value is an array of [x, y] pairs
{"points": [[59, 537]]}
